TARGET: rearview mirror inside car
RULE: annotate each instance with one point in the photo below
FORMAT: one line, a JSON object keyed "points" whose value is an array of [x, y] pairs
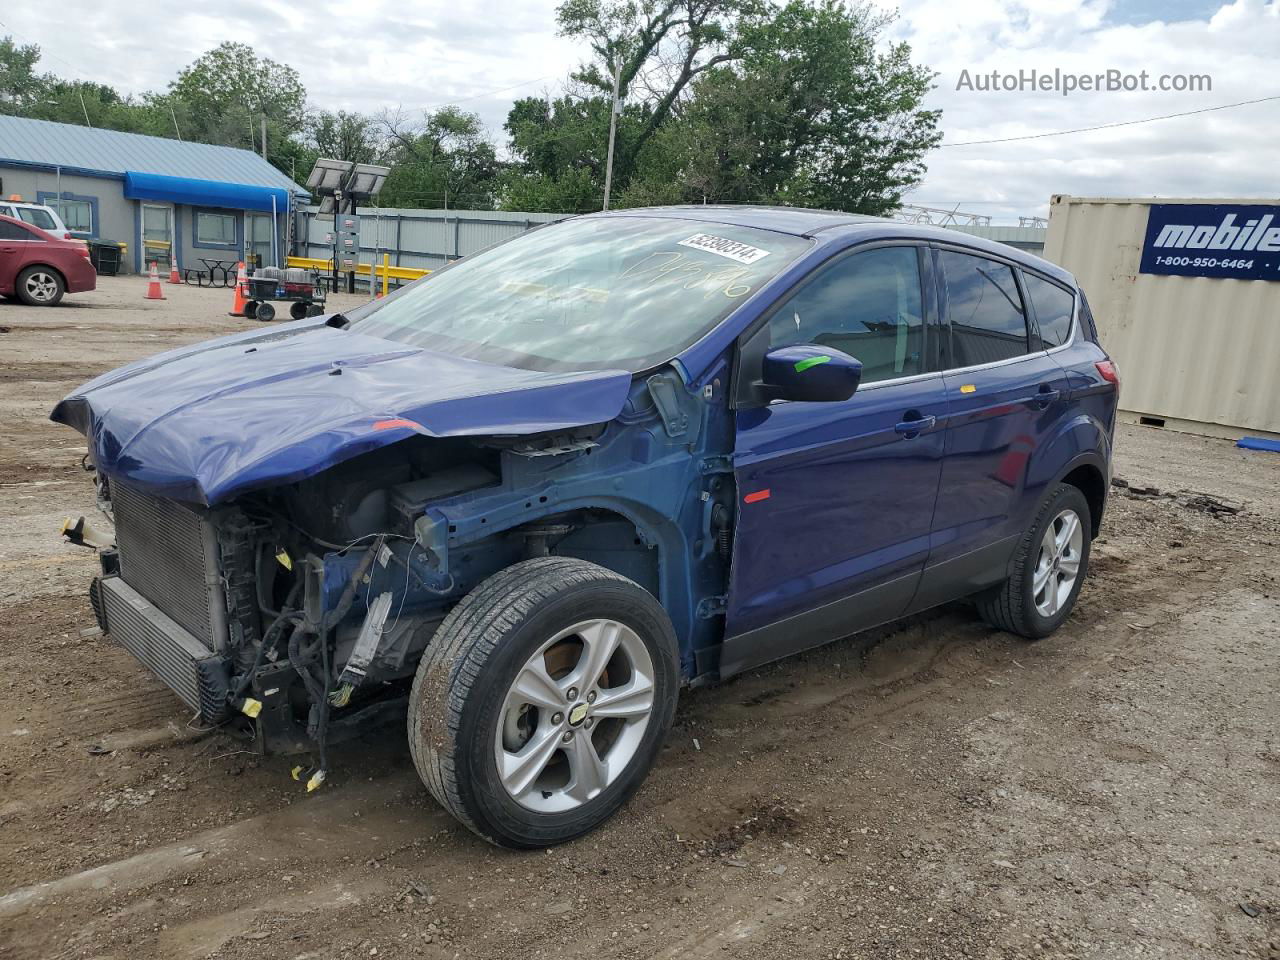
{"points": [[810, 372]]}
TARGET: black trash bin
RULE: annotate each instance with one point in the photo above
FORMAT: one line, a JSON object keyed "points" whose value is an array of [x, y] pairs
{"points": [[105, 257]]}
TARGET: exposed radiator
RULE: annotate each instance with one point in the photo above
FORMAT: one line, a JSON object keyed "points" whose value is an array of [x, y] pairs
{"points": [[162, 645], [169, 554]]}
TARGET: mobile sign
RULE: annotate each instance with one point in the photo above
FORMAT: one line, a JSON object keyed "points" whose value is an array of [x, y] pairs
{"points": [[1213, 240]]}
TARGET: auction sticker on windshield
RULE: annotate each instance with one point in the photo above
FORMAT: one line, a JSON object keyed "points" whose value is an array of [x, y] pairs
{"points": [[724, 247]]}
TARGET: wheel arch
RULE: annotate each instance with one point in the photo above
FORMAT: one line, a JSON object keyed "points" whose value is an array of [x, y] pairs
{"points": [[1090, 479], [1078, 453]]}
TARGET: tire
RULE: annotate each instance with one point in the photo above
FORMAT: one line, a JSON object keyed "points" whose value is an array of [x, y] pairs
{"points": [[315, 310], [465, 713], [251, 309], [40, 286], [1021, 605], [265, 312], [297, 310]]}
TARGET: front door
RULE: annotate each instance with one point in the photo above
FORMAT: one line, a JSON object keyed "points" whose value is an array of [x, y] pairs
{"points": [[157, 234], [257, 239], [835, 500]]}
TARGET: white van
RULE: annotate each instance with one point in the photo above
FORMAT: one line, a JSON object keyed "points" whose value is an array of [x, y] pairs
{"points": [[38, 215]]}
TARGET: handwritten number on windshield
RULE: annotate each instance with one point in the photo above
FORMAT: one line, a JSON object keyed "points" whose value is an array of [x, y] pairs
{"points": [[677, 268]]}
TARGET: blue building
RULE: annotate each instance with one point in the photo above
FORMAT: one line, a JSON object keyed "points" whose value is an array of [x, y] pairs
{"points": [[162, 198]]}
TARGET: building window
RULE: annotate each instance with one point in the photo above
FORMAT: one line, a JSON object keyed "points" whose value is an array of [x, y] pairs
{"points": [[216, 229], [76, 214]]}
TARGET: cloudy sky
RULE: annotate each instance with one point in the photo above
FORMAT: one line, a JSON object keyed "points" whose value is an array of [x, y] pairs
{"points": [[483, 54]]}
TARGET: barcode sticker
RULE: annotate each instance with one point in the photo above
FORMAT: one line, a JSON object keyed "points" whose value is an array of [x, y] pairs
{"points": [[724, 247]]}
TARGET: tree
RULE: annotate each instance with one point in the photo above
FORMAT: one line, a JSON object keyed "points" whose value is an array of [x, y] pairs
{"points": [[224, 94], [20, 85], [444, 158], [818, 112], [658, 47]]}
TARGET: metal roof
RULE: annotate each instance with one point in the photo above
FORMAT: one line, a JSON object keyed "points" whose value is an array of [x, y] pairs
{"points": [[44, 143]]}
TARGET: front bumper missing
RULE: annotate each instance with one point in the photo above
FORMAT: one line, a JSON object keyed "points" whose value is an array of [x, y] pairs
{"points": [[190, 669]]}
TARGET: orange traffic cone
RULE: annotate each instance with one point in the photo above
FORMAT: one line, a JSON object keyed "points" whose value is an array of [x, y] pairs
{"points": [[153, 288], [173, 271], [242, 281]]}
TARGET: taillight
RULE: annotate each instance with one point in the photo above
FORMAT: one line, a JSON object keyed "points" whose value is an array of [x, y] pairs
{"points": [[67, 236], [84, 252], [1107, 370]]}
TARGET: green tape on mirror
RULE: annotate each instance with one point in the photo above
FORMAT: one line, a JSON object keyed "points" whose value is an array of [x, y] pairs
{"points": [[807, 362]]}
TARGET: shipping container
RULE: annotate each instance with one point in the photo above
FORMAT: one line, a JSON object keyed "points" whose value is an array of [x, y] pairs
{"points": [[1186, 295]]}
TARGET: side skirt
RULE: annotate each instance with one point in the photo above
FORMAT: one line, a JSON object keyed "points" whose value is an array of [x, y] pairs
{"points": [[814, 628], [964, 575]]}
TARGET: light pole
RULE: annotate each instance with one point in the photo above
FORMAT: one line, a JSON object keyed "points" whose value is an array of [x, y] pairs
{"points": [[613, 127]]}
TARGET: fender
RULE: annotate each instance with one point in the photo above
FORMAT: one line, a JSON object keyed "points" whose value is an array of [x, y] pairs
{"points": [[1080, 440]]}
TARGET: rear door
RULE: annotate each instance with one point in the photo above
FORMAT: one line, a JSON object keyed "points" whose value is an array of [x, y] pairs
{"points": [[836, 499], [1005, 394]]}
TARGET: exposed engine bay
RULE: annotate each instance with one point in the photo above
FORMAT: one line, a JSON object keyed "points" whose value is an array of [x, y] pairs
{"points": [[298, 613]]}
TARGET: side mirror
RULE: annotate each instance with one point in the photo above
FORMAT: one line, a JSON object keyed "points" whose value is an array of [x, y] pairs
{"points": [[812, 373]]}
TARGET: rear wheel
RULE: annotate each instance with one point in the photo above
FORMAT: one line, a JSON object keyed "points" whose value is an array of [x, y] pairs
{"points": [[251, 308], [40, 286], [265, 312], [542, 701], [1049, 567], [297, 310]]}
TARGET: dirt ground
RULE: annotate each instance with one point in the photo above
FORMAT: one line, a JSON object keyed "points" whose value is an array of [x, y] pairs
{"points": [[937, 789]]}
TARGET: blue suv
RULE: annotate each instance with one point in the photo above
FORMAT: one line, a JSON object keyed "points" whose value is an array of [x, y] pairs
{"points": [[529, 497]]}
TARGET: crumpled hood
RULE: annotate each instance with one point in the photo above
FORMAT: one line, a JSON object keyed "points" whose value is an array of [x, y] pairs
{"points": [[207, 422]]}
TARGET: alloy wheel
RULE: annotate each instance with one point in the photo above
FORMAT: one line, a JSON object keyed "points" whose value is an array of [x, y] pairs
{"points": [[575, 715], [41, 286], [1058, 563]]}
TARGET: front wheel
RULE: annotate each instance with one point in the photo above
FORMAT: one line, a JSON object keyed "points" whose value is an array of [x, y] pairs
{"points": [[1049, 567], [542, 701]]}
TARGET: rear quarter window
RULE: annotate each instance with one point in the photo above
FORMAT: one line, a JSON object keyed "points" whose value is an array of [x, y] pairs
{"points": [[37, 218], [1054, 307]]}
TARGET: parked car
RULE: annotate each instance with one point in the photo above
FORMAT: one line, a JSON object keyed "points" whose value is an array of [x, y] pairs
{"points": [[534, 494], [38, 268], [38, 215]]}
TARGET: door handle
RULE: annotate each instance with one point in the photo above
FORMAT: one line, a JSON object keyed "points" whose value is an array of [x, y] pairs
{"points": [[1045, 396], [912, 427]]}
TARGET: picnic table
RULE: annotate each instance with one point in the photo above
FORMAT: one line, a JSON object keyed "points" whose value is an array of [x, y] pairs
{"points": [[218, 273]]}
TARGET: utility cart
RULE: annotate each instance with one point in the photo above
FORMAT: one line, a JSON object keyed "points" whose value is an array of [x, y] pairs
{"points": [[293, 285]]}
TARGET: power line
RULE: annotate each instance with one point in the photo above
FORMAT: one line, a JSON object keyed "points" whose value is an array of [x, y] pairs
{"points": [[1109, 126]]}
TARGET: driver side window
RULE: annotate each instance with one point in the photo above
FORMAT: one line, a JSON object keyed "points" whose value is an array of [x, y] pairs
{"points": [[867, 305]]}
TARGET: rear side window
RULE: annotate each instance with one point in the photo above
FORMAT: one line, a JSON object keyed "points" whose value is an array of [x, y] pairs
{"points": [[37, 218], [867, 305], [11, 231], [1087, 321], [1053, 306], [988, 321]]}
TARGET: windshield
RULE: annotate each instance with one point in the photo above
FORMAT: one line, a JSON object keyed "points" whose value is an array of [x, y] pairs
{"points": [[599, 293], [37, 218]]}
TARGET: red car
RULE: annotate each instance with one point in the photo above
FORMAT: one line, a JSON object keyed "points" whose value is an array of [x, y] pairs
{"points": [[38, 268]]}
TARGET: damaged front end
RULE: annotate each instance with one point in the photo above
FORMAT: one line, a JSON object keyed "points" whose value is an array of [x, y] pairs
{"points": [[287, 606], [299, 612]]}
